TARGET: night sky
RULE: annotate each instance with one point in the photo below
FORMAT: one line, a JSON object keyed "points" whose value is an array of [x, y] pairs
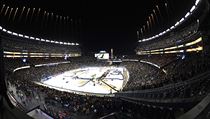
{"points": [[106, 24]]}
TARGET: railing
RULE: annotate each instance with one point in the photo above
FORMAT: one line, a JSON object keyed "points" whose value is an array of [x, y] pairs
{"points": [[15, 102], [197, 110], [188, 91]]}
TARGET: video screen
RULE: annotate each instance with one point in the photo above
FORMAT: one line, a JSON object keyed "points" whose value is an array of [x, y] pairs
{"points": [[102, 55]]}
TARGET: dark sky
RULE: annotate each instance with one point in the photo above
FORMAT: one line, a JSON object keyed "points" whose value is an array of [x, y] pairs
{"points": [[109, 24]]}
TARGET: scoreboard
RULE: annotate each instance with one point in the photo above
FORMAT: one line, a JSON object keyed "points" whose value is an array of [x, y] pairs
{"points": [[102, 55]]}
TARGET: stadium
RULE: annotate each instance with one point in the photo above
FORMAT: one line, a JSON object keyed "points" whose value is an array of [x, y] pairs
{"points": [[105, 61]]}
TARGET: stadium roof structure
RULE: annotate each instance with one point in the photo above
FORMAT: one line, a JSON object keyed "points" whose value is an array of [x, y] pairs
{"points": [[94, 24]]}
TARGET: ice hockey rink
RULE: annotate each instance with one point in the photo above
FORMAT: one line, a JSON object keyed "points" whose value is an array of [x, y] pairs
{"points": [[95, 80]]}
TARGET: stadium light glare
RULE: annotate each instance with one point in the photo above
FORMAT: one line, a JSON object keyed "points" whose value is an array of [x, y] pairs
{"points": [[20, 35], [187, 15], [61, 42], [195, 49], [172, 27], [194, 42], [14, 34], [9, 32], [4, 30], [25, 36], [192, 9], [181, 51], [32, 38], [177, 23], [161, 34], [181, 20], [38, 39], [196, 2], [164, 32], [180, 46]]}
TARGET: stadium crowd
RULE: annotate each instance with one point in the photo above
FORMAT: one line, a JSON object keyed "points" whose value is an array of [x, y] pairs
{"points": [[63, 104], [177, 69], [12, 43], [173, 39], [141, 76]]}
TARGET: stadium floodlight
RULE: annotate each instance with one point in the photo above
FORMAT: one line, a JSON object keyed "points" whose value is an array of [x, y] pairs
{"points": [[47, 40], [61, 42], [14, 34], [181, 51], [196, 2], [9, 32], [167, 30], [72, 43], [37, 38], [4, 30], [77, 43], [1, 28], [42, 39], [56, 42], [26, 36], [177, 23], [20, 35], [192, 9], [32, 38], [172, 27], [180, 46], [52, 41], [160, 34], [65, 43], [187, 15], [164, 32], [181, 20], [24, 60]]}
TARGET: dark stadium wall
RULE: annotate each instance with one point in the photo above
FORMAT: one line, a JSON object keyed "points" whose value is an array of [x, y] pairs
{"points": [[205, 28], [2, 82]]}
